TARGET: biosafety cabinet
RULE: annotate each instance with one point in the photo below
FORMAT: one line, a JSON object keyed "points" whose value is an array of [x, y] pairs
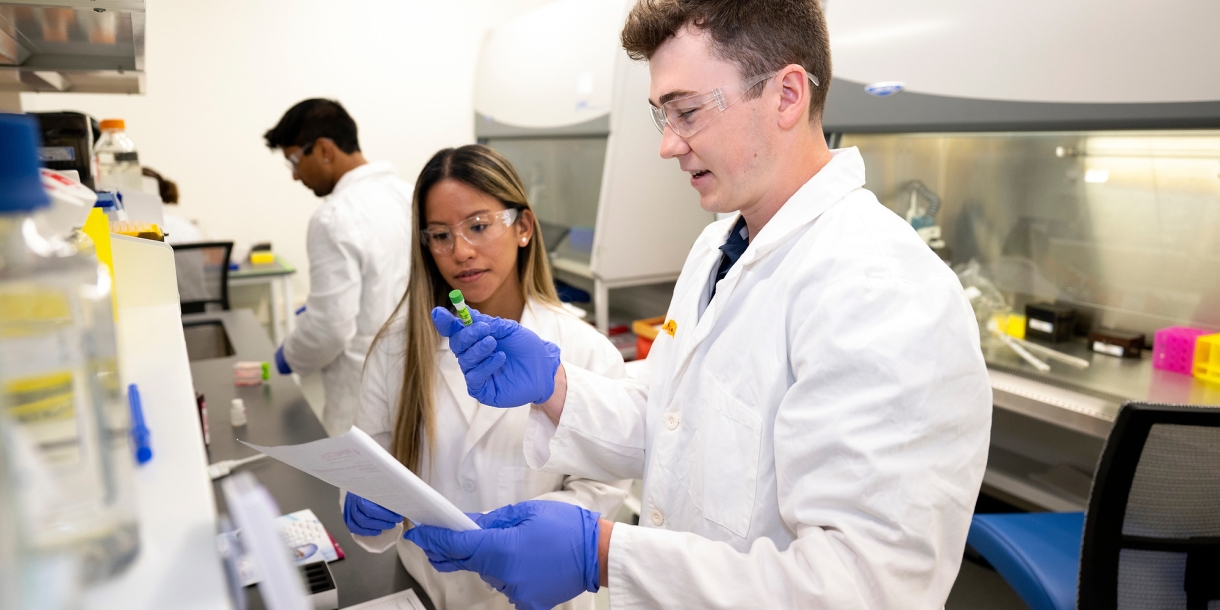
{"points": [[83, 46], [558, 96], [1072, 151]]}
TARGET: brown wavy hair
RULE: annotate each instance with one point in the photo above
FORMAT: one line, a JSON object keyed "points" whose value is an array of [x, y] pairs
{"points": [[485, 170]]}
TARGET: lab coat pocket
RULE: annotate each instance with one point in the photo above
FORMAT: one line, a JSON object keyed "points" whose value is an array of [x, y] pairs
{"points": [[725, 471]]}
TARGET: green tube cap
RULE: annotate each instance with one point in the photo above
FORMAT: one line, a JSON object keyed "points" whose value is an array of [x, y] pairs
{"points": [[456, 296]]}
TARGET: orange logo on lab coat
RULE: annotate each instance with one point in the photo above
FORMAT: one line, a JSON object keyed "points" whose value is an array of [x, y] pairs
{"points": [[670, 327]]}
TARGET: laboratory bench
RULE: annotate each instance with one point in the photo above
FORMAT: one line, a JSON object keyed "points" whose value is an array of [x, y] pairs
{"points": [[277, 276], [1049, 428], [278, 414]]}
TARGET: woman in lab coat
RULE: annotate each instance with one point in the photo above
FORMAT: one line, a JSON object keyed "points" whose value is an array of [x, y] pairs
{"points": [[475, 232]]}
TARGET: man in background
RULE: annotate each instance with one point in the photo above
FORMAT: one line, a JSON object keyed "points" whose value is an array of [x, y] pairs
{"points": [[359, 251]]}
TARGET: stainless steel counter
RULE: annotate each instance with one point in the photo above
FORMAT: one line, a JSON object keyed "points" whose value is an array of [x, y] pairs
{"points": [[279, 415], [1087, 400], [1049, 428]]}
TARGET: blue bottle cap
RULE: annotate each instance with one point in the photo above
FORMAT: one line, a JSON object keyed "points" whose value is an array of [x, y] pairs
{"points": [[107, 200], [20, 183]]}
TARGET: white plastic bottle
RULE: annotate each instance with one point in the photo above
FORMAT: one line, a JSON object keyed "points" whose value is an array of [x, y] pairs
{"points": [[59, 381], [118, 163]]}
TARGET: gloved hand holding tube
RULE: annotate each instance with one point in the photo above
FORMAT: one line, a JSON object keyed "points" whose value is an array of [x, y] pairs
{"points": [[537, 553], [505, 364]]}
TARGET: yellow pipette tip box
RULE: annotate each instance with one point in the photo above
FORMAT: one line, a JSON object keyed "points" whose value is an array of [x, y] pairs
{"points": [[1012, 324], [143, 230], [1207, 358]]}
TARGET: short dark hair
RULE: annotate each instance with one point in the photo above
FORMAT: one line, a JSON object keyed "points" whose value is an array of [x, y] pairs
{"points": [[760, 36], [313, 119]]}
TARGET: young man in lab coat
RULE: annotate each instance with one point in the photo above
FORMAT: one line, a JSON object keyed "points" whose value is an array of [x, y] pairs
{"points": [[359, 251], [814, 426]]}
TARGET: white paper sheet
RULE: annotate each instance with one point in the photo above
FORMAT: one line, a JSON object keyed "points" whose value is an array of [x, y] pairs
{"points": [[403, 600], [355, 462]]}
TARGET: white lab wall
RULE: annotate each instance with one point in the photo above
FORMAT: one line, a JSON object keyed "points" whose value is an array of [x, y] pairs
{"points": [[220, 73]]}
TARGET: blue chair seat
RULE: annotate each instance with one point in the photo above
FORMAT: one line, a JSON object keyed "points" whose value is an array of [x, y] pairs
{"points": [[1038, 554]]}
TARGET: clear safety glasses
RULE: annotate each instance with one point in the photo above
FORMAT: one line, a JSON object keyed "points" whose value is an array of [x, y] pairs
{"points": [[476, 230], [688, 114], [296, 157]]}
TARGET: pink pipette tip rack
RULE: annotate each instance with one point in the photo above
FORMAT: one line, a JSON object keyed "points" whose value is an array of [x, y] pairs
{"points": [[1173, 348]]}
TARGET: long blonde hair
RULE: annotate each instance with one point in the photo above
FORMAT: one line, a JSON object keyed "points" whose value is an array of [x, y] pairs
{"points": [[486, 171]]}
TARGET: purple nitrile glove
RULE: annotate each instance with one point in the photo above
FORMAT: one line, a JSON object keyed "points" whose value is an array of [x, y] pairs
{"points": [[537, 553], [367, 518], [505, 364]]}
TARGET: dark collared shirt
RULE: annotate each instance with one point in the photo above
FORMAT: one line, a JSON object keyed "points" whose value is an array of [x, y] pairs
{"points": [[733, 248]]}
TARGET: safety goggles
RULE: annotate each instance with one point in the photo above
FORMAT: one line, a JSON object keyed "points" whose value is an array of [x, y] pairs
{"points": [[296, 157], [688, 114], [476, 230]]}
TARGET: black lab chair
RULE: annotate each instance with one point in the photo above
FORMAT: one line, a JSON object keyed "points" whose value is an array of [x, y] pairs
{"points": [[1151, 537], [203, 274]]}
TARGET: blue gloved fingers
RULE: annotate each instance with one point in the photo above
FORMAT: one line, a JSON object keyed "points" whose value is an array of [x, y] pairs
{"points": [[356, 528], [438, 561], [481, 374], [445, 322], [488, 519], [360, 531], [281, 364], [461, 337], [506, 516], [447, 550], [468, 336], [364, 520], [501, 328], [442, 564], [476, 354], [445, 543], [367, 518], [379, 512]]}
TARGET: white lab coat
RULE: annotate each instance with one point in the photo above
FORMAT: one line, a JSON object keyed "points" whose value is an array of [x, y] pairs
{"points": [[359, 244], [815, 439], [479, 464]]}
